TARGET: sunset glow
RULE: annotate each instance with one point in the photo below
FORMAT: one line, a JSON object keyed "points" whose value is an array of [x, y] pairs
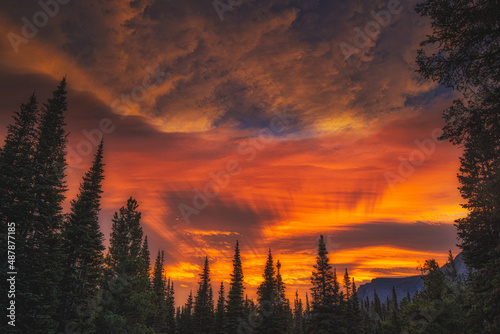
{"points": [[356, 160]]}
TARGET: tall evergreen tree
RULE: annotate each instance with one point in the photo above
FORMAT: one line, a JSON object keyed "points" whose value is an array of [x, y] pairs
{"points": [[354, 325], [42, 271], [145, 258], [461, 52], [187, 325], [347, 285], [159, 288], [83, 246], [18, 206], [235, 298], [267, 297], [298, 315], [126, 239], [158, 278], [439, 307], [307, 315], [392, 322], [129, 302], [325, 311], [17, 173], [203, 304], [170, 308], [283, 311], [220, 313], [349, 317]]}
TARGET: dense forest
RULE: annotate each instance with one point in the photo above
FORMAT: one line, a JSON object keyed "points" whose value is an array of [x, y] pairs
{"points": [[68, 282]]}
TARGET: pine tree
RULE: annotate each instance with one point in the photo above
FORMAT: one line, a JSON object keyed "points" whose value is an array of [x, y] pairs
{"points": [[347, 285], [211, 299], [298, 317], [17, 201], [145, 266], [325, 312], [83, 245], [159, 288], [439, 307], [126, 240], [46, 255], [158, 279], [267, 297], [42, 271], [392, 322], [235, 299], [203, 316], [283, 310], [355, 314], [186, 325], [170, 308], [307, 316], [461, 52], [17, 171], [130, 305], [220, 313], [351, 316]]}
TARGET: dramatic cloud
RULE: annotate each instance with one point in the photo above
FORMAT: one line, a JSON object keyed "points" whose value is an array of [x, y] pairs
{"points": [[194, 114]]}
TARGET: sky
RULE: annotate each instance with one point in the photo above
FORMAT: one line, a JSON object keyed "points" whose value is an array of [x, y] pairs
{"points": [[268, 122]]}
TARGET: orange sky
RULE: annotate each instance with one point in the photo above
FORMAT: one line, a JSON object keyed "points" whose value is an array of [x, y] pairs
{"points": [[356, 161]]}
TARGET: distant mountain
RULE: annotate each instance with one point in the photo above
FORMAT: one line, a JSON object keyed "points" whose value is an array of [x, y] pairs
{"points": [[403, 285]]}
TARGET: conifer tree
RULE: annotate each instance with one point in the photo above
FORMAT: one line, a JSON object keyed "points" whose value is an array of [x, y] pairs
{"points": [[187, 325], [211, 299], [17, 200], [347, 285], [126, 240], [158, 279], [439, 307], [43, 269], [146, 262], [129, 301], [461, 52], [298, 317], [267, 297], [307, 315], [51, 161], [203, 304], [17, 173], [159, 288], [83, 246], [220, 313], [325, 312], [354, 311], [235, 299], [170, 308], [283, 310], [308, 308]]}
